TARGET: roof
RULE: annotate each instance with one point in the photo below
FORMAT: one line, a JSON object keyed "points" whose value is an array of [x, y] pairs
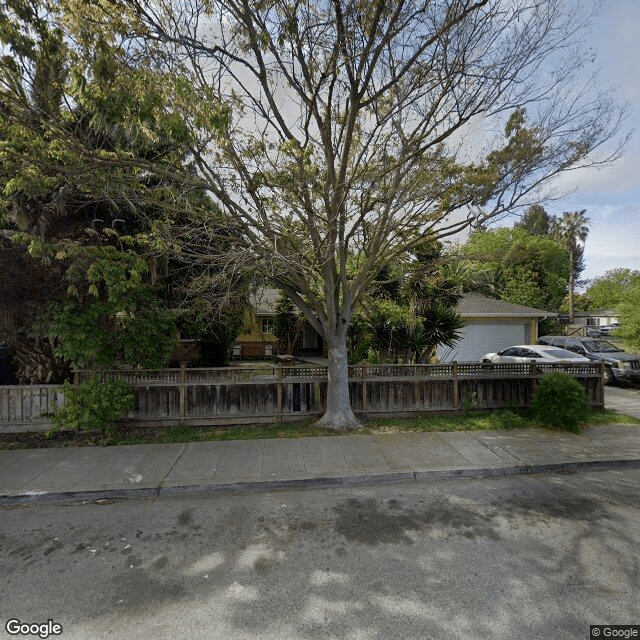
{"points": [[600, 313], [474, 305]]}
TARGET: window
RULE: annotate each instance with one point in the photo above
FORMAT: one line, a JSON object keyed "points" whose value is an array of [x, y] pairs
{"points": [[267, 325]]}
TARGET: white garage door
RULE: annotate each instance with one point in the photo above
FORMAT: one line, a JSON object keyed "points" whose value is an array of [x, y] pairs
{"points": [[479, 339]]}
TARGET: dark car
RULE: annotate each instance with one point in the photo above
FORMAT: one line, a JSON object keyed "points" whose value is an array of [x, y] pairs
{"points": [[618, 365], [608, 329]]}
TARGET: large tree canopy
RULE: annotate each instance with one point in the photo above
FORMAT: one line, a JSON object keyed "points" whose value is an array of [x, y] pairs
{"points": [[80, 123], [327, 128], [517, 267]]}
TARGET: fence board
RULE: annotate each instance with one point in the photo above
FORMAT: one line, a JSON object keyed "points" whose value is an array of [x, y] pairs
{"points": [[259, 394]]}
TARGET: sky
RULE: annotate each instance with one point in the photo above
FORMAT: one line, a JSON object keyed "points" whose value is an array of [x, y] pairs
{"points": [[611, 196]]}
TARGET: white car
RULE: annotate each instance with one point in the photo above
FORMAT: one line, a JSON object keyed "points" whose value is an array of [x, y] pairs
{"points": [[535, 353]]}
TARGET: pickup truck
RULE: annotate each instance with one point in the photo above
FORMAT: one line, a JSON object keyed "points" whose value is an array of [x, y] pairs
{"points": [[618, 364]]}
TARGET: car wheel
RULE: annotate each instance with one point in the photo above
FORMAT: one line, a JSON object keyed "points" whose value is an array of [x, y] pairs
{"points": [[485, 361], [608, 375]]}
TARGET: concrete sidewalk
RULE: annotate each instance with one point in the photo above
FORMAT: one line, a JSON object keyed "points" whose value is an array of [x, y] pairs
{"points": [[91, 473]]}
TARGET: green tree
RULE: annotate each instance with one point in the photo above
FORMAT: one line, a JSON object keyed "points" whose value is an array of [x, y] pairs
{"points": [[518, 267], [363, 155], [410, 310], [76, 138], [629, 309], [287, 323], [535, 221], [608, 291], [570, 230], [113, 315]]}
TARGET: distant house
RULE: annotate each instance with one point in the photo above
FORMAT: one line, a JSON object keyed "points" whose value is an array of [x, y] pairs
{"points": [[258, 339], [600, 318], [492, 325]]}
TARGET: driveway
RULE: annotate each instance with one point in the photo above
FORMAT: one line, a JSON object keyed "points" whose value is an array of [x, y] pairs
{"points": [[623, 399]]}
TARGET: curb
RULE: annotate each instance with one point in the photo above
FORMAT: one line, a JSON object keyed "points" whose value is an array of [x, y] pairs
{"points": [[43, 497]]}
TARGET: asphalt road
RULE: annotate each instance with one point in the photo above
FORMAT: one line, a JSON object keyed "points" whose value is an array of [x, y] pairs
{"points": [[539, 556]]}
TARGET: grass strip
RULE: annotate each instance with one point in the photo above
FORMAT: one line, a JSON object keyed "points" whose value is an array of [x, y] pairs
{"points": [[494, 420]]}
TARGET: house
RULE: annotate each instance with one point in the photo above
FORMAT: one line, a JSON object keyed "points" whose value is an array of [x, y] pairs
{"points": [[258, 339], [492, 325], [600, 318]]}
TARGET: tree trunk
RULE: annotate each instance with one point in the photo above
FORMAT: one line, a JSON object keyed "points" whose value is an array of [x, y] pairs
{"points": [[571, 287], [339, 414]]}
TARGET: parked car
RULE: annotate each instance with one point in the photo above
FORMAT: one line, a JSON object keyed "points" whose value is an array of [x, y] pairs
{"points": [[608, 329], [535, 353], [618, 365]]}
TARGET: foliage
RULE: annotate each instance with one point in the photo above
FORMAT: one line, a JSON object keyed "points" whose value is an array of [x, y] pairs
{"points": [[629, 311], [80, 126], [560, 401], [409, 311], [93, 405], [97, 334], [287, 323], [507, 419], [518, 267], [608, 291], [438, 326], [113, 316], [535, 221], [215, 331], [581, 302]]}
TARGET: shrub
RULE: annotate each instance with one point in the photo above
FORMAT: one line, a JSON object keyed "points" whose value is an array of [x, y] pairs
{"points": [[560, 401], [93, 405]]}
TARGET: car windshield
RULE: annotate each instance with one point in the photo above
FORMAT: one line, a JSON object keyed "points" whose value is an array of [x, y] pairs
{"points": [[600, 346], [562, 353]]}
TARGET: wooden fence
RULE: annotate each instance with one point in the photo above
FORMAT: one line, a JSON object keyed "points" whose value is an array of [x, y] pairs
{"points": [[247, 395]]}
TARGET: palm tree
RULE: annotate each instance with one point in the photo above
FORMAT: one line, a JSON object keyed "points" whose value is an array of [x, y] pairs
{"points": [[569, 230]]}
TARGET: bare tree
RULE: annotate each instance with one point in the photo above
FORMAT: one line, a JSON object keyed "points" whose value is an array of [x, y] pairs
{"points": [[338, 134]]}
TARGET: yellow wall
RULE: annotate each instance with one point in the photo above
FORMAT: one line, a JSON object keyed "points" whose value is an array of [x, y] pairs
{"points": [[252, 330]]}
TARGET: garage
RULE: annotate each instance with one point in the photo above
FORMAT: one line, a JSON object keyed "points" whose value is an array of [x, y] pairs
{"points": [[492, 325], [479, 339]]}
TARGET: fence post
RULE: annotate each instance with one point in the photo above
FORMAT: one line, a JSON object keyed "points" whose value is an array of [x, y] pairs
{"points": [[76, 377], [279, 393], [365, 394], [533, 374], [456, 390], [183, 390], [601, 384]]}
